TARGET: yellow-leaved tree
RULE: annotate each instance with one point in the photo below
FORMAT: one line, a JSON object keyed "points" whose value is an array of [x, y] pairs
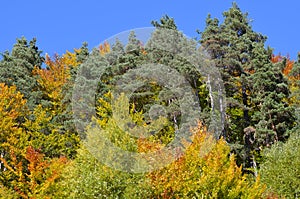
{"points": [[205, 170], [12, 112], [25, 172], [50, 117], [56, 74]]}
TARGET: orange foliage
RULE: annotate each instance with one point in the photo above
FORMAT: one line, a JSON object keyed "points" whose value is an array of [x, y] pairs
{"points": [[144, 52], [288, 66], [293, 79], [204, 171], [33, 177], [146, 146], [52, 79], [104, 48], [56, 75]]}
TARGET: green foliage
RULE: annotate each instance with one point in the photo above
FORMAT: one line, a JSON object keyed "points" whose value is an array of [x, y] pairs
{"points": [[8, 193], [115, 66], [294, 85], [87, 178], [36, 130], [139, 113], [205, 169], [165, 22], [46, 135], [65, 118], [231, 47], [256, 90], [49, 119], [280, 170], [123, 129], [16, 69], [274, 117]]}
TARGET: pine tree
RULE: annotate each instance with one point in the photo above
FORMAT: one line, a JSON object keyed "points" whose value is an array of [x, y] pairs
{"points": [[16, 69], [85, 90], [67, 114], [274, 117], [169, 47], [240, 55], [165, 22], [230, 46]]}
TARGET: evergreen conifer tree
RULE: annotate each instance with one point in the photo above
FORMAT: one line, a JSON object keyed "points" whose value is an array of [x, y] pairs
{"points": [[16, 69], [243, 61]]}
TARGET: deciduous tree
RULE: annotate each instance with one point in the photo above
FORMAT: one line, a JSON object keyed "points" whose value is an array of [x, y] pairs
{"points": [[205, 170]]}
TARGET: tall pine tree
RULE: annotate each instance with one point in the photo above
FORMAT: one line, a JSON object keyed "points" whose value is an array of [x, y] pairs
{"points": [[243, 61]]}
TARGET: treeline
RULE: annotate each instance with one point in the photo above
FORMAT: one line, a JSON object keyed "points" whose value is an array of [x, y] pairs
{"points": [[49, 149]]}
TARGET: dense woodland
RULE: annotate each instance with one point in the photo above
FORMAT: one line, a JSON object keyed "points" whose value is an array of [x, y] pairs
{"points": [[257, 154]]}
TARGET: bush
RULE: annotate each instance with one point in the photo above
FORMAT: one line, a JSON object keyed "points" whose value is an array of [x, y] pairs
{"points": [[281, 168]]}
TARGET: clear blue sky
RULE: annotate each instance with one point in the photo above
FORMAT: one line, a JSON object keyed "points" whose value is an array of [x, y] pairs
{"points": [[61, 25]]}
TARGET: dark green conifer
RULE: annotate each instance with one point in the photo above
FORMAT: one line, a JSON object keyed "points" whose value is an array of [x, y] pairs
{"points": [[16, 69], [243, 61]]}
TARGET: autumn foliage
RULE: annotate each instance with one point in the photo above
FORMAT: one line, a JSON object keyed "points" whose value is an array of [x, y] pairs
{"points": [[206, 170], [104, 48], [288, 63], [11, 107], [293, 77], [52, 78], [34, 174], [12, 112], [47, 150]]}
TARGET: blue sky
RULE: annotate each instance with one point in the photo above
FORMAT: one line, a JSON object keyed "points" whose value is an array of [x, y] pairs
{"points": [[61, 25]]}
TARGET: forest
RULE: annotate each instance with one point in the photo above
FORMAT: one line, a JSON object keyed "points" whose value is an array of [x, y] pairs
{"points": [[215, 116]]}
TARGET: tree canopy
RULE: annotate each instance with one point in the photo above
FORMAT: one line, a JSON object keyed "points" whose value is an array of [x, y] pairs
{"points": [[175, 117]]}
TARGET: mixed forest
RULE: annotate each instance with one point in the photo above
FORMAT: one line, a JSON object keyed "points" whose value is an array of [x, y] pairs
{"points": [[43, 150]]}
